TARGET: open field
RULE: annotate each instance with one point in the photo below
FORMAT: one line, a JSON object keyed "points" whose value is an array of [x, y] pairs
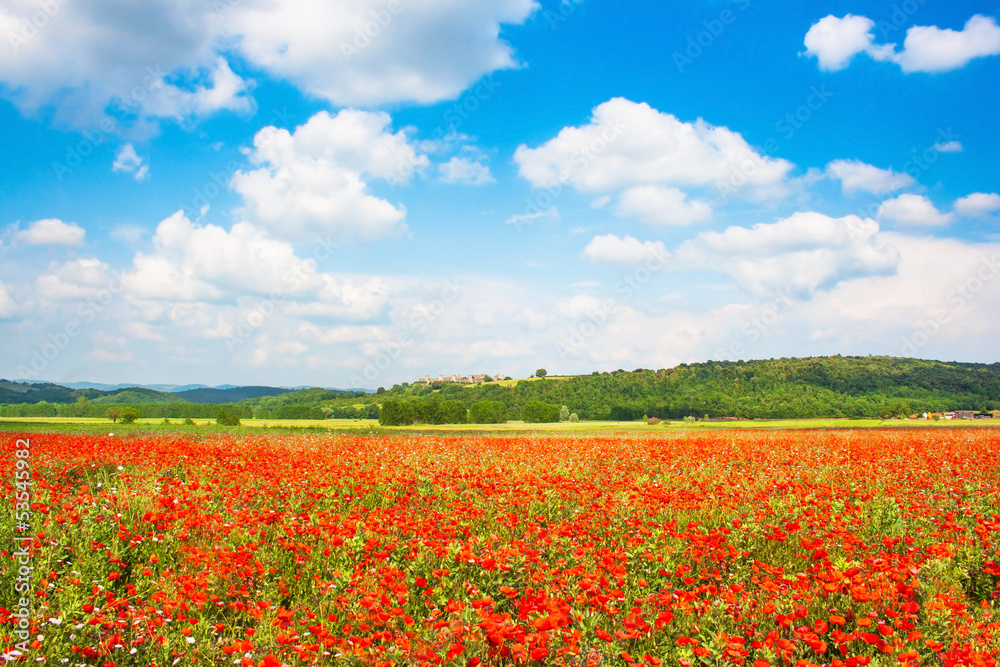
{"points": [[361, 426], [247, 547]]}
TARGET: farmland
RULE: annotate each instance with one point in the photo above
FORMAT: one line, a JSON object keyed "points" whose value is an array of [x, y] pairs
{"points": [[749, 547]]}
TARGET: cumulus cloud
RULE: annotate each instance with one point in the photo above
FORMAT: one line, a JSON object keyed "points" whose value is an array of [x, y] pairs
{"points": [[363, 53], [855, 175], [204, 263], [803, 253], [128, 161], [464, 171], [662, 206], [311, 183], [191, 262], [836, 41], [51, 231], [344, 298], [85, 57], [628, 250], [978, 204], [628, 144], [76, 279], [932, 49], [913, 211], [157, 60], [7, 304]]}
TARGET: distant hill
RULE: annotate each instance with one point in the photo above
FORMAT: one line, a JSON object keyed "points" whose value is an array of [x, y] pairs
{"points": [[233, 395], [22, 392], [137, 395], [771, 388], [112, 387]]}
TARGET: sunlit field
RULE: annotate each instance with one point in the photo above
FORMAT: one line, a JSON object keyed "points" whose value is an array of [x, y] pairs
{"points": [[845, 548]]}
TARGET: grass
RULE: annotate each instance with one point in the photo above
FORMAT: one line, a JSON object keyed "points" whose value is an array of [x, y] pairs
{"points": [[95, 425]]}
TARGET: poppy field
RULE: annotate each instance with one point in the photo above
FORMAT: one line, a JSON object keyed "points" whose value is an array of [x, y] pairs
{"points": [[751, 548]]}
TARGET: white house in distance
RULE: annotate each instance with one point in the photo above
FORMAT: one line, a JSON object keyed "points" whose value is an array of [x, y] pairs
{"points": [[459, 379]]}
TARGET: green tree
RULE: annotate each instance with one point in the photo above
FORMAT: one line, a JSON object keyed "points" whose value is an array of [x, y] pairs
{"points": [[488, 412], [113, 413], [541, 372], [226, 418], [128, 415], [395, 413], [536, 412], [82, 404], [563, 413], [453, 412]]}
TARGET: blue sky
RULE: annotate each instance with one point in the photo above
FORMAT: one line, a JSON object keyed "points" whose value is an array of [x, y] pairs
{"points": [[359, 193]]}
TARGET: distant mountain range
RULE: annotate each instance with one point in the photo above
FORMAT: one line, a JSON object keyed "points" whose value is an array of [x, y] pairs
{"points": [[169, 388], [36, 392]]}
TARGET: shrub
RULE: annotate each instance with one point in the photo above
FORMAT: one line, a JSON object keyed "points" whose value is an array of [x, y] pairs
{"points": [[188, 421], [128, 415], [395, 413], [488, 412], [536, 412], [427, 411], [652, 421], [453, 412], [574, 418], [225, 418]]}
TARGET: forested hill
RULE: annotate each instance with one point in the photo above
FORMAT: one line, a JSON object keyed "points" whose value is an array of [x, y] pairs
{"points": [[809, 387], [25, 393], [775, 388]]}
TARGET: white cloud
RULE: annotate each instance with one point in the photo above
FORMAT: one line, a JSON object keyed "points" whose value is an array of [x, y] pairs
{"points": [[855, 175], [578, 307], [628, 250], [978, 204], [192, 263], [802, 253], [362, 53], [835, 41], [626, 144], [128, 161], [196, 264], [913, 210], [344, 298], [662, 206], [76, 279], [51, 231], [311, 184], [936, 278], [949, 147], [931, 49], [7, 304], [465, 171], [110, 349], [88, 56], [157, 60], [529, 217]]}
